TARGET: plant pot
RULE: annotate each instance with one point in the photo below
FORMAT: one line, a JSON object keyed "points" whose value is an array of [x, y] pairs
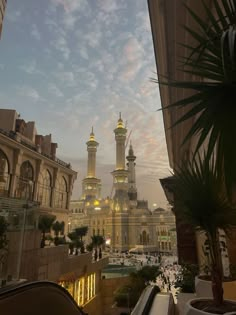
{"points": [[190, 310], [203, 288]]}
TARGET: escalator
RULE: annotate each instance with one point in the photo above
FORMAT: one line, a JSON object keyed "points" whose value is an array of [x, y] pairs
{"points": [[37, 298]]}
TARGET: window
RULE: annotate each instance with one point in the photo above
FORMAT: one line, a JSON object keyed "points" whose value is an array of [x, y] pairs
{"points": [[45, 188], [4, 174], [61, 193], [25, 184]]}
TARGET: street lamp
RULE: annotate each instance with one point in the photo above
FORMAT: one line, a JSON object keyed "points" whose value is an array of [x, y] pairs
{"points": [[69, 223]]}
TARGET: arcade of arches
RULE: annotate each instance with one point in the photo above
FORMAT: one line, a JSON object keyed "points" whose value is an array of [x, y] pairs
{"points": [[26, 184]]}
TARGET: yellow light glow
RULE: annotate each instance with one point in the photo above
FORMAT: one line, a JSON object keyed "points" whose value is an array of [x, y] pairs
{"points": [[96, 203]]}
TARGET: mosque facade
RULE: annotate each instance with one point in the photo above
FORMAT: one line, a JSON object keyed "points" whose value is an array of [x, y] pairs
{"points": [[123, 220]]}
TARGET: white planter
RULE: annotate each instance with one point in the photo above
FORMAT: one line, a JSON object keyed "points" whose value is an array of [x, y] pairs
{"points": [[190, 310], [203, 288]]}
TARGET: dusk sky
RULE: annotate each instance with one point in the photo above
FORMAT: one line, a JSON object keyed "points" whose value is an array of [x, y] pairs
{"points": [[73, 64]]}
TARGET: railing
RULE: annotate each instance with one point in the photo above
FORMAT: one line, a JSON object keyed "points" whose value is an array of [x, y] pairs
{"points": [[13, 135], [145, 301], [39, 297]]}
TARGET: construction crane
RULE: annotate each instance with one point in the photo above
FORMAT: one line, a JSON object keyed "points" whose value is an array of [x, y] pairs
{"points": [[127, 140]]}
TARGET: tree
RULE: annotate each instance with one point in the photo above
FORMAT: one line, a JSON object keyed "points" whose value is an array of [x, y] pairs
{"points": [[97, 240], [81, 232], [77, 238], [211, 105], [205, 205], [147, 274], [58, 227], [185, 280], [45, 224], [129, 294]]}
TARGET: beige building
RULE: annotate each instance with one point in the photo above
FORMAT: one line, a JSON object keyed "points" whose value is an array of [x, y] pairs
{"points": [[29, 168], [122, 219], [33, 181], [3, 4]]}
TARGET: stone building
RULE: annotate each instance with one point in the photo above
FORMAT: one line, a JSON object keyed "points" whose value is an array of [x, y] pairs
{"points": [[29, 168], [122, 219], [33, 181]]}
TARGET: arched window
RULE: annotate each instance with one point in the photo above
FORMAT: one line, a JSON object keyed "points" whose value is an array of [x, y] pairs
{"points": [[61, 193], [144, 237], [4, 174], [25, 185], [45, 188]]}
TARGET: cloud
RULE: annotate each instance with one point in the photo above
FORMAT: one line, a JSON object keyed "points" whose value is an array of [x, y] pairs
{"points": [[133, 55], [60, 44], [35, 32], [66, 77], [30, 67], [14, 15], [29, 92], [55, 90]]}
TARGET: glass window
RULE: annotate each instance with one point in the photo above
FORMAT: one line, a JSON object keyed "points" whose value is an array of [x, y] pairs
{"points": [[45, 188], [61, 193], [4, 174], [25, 184]]}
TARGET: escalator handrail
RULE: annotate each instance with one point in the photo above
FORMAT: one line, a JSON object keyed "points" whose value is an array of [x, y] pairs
{"points": [[28, 285]]}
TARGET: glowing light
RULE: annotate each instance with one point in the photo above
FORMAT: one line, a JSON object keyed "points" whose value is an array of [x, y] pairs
{"points": [[108, 241], [96, 203]]}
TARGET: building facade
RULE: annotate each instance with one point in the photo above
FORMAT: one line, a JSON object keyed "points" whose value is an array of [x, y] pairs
{"points": [[33, 182], [122, 219], [29, 168]]}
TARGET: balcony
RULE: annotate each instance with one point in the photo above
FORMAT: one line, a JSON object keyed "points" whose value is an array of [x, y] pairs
{"points": [[15, 137]]}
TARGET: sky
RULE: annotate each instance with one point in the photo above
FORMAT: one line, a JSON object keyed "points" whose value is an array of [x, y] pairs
{"points": [[73, 64]]}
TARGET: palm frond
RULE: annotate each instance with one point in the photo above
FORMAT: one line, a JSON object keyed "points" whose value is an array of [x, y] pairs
{"points": [[204, 204], [211, 106]]}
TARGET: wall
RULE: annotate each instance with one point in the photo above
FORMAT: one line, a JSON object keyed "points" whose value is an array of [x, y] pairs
{"points": [[109, 286]]}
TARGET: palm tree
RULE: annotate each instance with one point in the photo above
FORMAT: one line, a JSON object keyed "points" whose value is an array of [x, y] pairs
{"points": [[97, 240], [77, 237], [81, 232], [56, 228], [206, 206], [45, 224], [212, 102]]}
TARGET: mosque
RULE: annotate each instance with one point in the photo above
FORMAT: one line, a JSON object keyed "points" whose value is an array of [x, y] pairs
{"points": [[124, 221]]}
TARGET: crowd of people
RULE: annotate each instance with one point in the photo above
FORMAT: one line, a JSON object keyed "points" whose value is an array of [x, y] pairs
{"points": [[168, 266]]}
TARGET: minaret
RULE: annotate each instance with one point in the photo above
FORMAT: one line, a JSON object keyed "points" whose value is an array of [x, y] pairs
{"points": [[91, 184], [120, 175], [132, 191]]}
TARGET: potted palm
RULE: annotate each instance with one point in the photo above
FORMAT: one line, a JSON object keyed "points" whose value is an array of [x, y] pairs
{"points": [[45, 225], [58, 227], [97, 242], [210, 109], [205, 205]]}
